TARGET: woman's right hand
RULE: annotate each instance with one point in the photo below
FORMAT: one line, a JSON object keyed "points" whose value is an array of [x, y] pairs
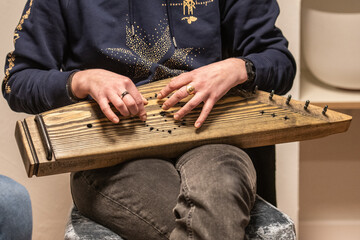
{"points": [[106, 87]]}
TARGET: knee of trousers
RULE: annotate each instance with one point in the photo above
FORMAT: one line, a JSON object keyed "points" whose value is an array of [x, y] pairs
{"points": [[134, 199], [14, 196], [15, 208], [218, 164]]}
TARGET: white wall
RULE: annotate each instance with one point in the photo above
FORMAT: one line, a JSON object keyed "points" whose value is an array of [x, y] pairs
{"points": [[50, 196], [287, 174]]}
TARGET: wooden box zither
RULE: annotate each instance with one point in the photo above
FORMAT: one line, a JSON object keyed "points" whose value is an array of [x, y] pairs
{"points": [[79, 137]]}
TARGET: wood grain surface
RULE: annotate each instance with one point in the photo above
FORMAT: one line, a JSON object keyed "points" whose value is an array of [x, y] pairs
{"points": [[82, 138]]}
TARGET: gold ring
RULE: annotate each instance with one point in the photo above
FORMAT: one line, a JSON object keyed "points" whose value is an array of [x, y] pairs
{"points": [[190, 89], [124, 94]]}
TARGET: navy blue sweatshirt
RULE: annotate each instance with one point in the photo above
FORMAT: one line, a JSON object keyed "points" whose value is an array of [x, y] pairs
{"points": [[144, 40]]}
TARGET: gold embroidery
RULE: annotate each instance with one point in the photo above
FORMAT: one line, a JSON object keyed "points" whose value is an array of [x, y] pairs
{"points": [[11, 55], [178, 58], [146, 50], [16, 37], [175, 64], [163, 72], [190, 6], [190, 19], [181, 4]]}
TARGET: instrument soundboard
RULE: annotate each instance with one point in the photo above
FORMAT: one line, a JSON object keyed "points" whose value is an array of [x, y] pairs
{"points": [[79, 137]]}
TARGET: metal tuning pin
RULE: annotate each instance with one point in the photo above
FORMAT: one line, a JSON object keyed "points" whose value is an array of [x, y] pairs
{"points": [[271, 95], [288, 99], [306, 104], [325, 109], [255, 89]]}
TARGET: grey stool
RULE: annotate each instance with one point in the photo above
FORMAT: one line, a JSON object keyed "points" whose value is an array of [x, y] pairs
{"points": [[266, 223]]}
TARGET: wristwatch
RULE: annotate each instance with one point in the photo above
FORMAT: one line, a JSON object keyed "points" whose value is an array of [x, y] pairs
{"points": [[250, 70]]}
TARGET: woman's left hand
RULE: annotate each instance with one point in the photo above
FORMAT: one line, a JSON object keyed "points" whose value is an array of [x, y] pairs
{"points": [[210, 82]]}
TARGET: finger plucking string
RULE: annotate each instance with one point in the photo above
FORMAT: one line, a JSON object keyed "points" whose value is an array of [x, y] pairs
{"points": [[188, 107], [106, 109], [175, 98], [174, 84], [208, 106], [119, 105], [139, 100]]}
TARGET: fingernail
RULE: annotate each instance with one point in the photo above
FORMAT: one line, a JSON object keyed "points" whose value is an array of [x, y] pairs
{"points": [[197, 125], [176, 117], [164, 107], [143, 118], [159, 96], [116, 120]]}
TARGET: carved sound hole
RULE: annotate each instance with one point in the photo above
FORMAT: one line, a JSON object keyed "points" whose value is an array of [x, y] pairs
{"points": [[263, 113], [163, 121], [158, 120]]}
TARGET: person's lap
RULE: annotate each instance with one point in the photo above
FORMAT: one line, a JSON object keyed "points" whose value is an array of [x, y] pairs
{"points": [[209, 192], [126, 199]]}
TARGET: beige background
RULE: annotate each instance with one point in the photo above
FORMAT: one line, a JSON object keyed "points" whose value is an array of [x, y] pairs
{"points": [[50, 196], [329, 173]]}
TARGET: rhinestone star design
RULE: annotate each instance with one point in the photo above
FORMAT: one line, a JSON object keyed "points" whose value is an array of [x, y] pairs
{"points": [[146, 50]]}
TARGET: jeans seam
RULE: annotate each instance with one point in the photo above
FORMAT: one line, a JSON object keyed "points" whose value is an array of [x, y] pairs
{"points": [[124, 207], [186, 189], [190, 232], [248, 175]]}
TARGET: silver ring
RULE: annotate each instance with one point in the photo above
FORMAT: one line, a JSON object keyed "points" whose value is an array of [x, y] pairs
{"points": [[124, 94]]}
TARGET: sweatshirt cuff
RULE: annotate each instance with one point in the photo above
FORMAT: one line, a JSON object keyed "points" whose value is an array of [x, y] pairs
{"points": [[56, 93]]}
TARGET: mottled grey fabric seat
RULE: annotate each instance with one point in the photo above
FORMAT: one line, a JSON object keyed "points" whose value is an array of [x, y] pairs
{"points": [[266, 222]]}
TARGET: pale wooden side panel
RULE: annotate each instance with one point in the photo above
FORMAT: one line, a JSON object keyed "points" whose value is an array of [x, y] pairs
{"points": [[24, 148]]}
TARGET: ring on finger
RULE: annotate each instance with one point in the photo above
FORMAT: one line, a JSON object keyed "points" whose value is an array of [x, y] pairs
{"points": [[123, 94], [190, 89]]}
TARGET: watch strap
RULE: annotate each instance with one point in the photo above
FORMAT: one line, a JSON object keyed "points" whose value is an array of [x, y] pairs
{"points": [[251, 74], [70, 93]]}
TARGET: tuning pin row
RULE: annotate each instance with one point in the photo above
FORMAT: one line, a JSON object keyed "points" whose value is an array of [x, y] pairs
{"points": [[306, 105]]}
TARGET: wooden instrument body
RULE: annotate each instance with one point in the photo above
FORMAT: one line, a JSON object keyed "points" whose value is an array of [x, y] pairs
{"points": [[81, 138]]}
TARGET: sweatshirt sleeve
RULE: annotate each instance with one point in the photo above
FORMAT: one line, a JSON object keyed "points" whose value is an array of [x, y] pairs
{"points": [[249, 31], [33, 80]]}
